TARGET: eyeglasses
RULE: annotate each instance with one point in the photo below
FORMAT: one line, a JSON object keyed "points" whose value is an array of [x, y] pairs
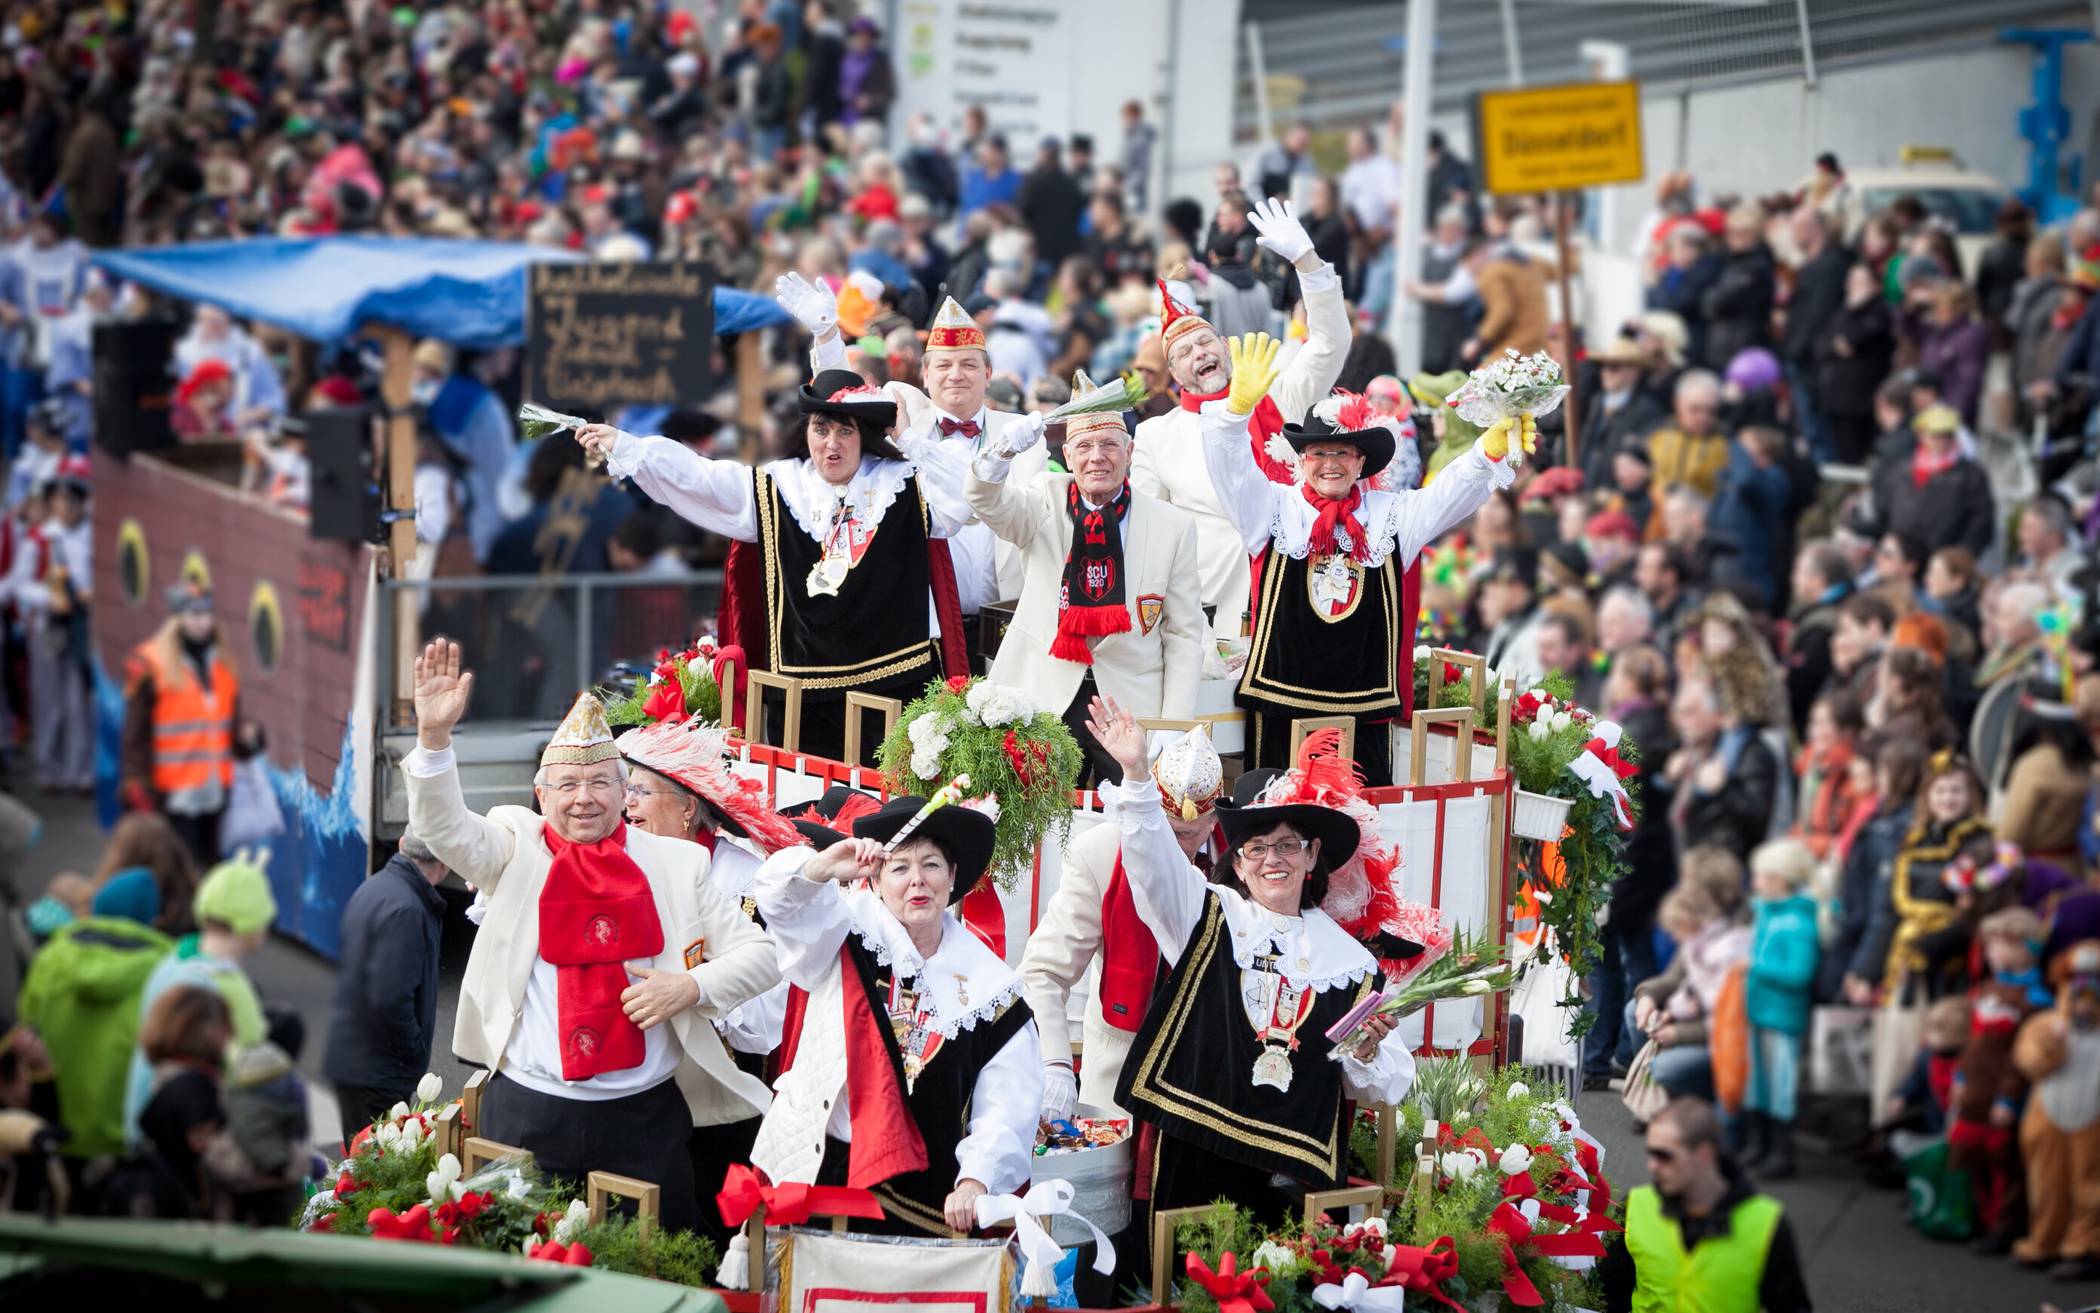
{"points": [[1284, 848], [1329, 453], [637, 791], [604, 786]]}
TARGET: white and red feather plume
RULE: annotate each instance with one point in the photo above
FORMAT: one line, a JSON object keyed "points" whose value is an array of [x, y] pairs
{"points": [[697, 755]]}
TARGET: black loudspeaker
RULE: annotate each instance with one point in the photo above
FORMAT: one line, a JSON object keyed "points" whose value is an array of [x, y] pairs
{"points": [[345, 502], [134, 385]]}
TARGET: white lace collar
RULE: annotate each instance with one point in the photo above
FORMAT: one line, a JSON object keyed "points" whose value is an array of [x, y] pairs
{"points": [[1290, 529], [811, 500], [1312, 950], [962, 984]]}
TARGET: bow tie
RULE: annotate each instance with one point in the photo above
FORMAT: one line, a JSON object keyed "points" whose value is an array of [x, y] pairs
{"points": [[969, 428]]}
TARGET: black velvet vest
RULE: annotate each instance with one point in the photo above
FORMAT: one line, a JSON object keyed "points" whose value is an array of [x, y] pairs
{"points": [[1302, 664]]}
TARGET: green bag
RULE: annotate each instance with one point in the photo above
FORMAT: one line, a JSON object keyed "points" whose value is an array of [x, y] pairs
{"points": [[1941, 1202]]}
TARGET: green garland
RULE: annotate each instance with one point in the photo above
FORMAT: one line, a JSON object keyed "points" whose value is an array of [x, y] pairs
{"points": [[1031, 807], [621, 1244], [703, 697]]}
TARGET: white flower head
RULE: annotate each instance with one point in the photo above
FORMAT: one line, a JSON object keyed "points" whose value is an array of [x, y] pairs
{"points": [[1518, 1089], [577, 1218], [978, 698], [411, 1134], [1561, 720], [517, 1187], [1463, 1164], [443, 1183], [1279, 1259], [1422, 652], [1540, 729], [1475, 987], [1516, 1160], [397, 1112], [430, 1087], [926, 765]]}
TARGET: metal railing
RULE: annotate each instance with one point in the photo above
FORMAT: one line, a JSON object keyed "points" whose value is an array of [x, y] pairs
{"points": [[533, 643]]}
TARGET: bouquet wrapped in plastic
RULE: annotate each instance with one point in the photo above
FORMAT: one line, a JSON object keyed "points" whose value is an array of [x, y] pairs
{"points": [[1509, 386]]}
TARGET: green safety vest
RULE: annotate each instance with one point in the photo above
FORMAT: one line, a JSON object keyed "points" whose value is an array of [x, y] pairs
{"points": [[1720, 1275]]}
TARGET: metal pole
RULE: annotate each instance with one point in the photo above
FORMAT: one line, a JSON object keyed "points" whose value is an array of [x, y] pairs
{"points": [[397, 387], [1511, 50], [1414, 182], [1171, 82], [1808, 45], [1258, 67]]}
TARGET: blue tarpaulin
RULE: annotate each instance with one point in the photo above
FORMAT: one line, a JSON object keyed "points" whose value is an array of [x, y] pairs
{"points": [[471, 294]]}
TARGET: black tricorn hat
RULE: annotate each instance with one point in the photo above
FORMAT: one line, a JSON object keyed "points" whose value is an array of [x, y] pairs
{"points": [[843, 392], [967, 835]]}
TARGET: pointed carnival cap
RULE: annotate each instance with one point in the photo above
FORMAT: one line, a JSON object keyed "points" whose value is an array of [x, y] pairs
{"points": [[583, 739], [1099, 419], [1176, 317], [696, 756], [1189, 775], [954, 330]]}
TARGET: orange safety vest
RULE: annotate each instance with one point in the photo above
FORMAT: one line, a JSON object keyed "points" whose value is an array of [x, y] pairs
{"points": [[192, 728]]}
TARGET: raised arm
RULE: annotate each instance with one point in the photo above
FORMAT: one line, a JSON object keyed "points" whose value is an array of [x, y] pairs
{"points": [[717, 495], [1460, 489], [1313, 371], [475, 846], [1168, 891], [1008, 505], [1248, 496], [804, 909]]}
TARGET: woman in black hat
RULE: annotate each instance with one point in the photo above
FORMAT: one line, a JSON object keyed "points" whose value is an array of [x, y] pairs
{"points": [[911, 1063], [850, 546], [1233, 1064], [1337, 599]]}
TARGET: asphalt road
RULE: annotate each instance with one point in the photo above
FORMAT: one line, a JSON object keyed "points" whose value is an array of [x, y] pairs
{"points": [[1860, 1255]]}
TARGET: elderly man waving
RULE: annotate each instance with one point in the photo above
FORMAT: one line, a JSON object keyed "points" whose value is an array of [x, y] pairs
{"points": [[596, 936], [1110, 601], [1170, 462]]}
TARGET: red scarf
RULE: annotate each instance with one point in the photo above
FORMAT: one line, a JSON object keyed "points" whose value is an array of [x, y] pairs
{"points": [[1924, 465], [1338, 512], [596, 912], [1265, 423], [1129, 956], [886, 1138], [1091, 604]]}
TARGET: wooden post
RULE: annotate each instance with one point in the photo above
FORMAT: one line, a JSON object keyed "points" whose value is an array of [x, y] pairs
{"points": [[1305, 725], [756, 683], [1460, 718], [601, 1188], [858, 704], [478, 1151], [750, 397], [447, 1130], [470, 1099], [1332, 1201], [1164, 1221], [1571, 410], [397, 389], [755, 1240]]}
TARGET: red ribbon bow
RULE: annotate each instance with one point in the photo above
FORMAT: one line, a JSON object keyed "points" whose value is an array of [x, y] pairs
{"points": [[744, 1191], [666, 701], [413, 1225], [1509, 1222], [1424, 1269], [554, 1251], [1610, 757], [1235, 1292]]}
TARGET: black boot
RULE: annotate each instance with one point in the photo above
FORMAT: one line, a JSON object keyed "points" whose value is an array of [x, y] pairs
{"points": [[1778, 1164]]}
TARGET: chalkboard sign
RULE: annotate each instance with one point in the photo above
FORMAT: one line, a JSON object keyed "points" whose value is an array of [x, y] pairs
{"points": [[603, 336]]}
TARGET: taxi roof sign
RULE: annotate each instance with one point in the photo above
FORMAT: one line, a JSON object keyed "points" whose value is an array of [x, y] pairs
{"points": [[1558, 138]]}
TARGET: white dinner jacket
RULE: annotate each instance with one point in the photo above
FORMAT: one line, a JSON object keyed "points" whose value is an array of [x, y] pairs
{"points": [[502, 855], [1060, 951], [1153, 669]]}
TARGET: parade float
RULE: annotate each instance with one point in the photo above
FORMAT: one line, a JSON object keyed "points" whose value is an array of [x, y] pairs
{"points": [[1479, 1192]]}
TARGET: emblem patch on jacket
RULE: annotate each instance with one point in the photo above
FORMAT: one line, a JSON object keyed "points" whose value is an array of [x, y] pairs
{"points": [[1150, 605]]}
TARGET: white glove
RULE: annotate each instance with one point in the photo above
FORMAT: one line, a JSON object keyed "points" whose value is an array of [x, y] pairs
{"points": [[811, 303], [1019, 434], [1280, 230], [1060, 1092]]}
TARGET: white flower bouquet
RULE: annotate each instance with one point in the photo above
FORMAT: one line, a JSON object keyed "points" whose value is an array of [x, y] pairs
{"points": [[1508, 386]]}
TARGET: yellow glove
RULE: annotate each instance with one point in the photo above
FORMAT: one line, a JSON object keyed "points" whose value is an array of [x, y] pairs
{"points": [[1494, 443], [1253, 371]]}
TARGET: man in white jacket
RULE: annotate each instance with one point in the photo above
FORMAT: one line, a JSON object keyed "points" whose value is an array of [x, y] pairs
{"points": [[604, 956], [1110, 601], [1169, 461]]}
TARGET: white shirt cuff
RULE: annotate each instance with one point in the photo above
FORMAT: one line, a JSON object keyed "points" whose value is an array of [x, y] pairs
{"points": [[424, 764], [1321, 279], [626, 459]]}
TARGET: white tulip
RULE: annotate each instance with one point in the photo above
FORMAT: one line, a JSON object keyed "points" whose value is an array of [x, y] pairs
{"points": [[1561, 720], [1518, 1089], [1460, 1166], [411, 1134], [430, 1087], [1475, 987], [577, 1218], [397, 1112], [1516, 1160], [1540, 729], [1422, 652], [443, 1183]]}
